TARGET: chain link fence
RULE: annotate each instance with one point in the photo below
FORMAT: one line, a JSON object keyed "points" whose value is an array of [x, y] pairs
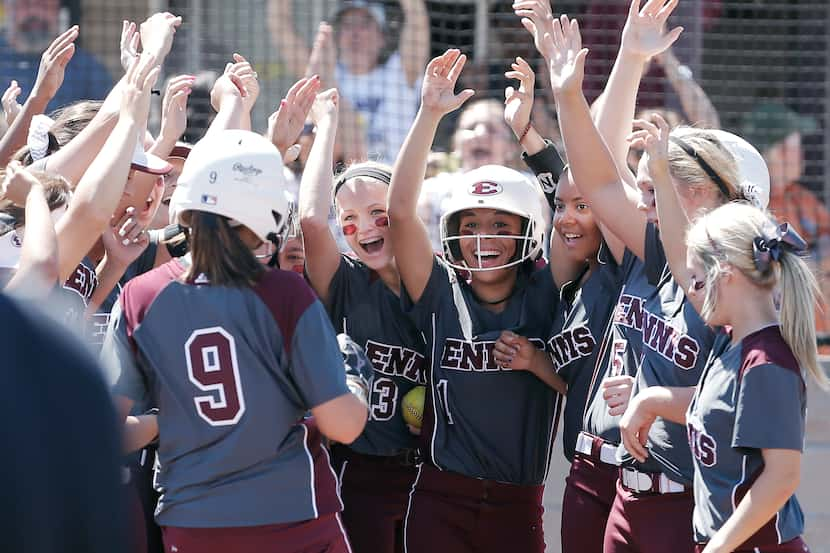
{"points": [[763, 65]]}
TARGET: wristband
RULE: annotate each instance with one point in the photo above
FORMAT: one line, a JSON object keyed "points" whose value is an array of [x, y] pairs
{"points": [[547, 165]]}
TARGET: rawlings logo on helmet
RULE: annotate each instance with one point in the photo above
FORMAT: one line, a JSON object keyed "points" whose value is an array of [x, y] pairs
{"points": [[485, 188]]}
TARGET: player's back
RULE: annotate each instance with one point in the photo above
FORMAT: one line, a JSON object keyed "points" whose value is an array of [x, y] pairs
{"points": [[223, 366]]}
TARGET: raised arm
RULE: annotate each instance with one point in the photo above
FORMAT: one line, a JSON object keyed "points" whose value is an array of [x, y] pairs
{"points": [[697, 107], [414, 45], [38, 269], [227, 98], [286, 124], [654, 137], [591, 165], [291, 48], [642, 38], [102, 185], [173, 115], [49, 80], [410, 239], [322, 257]]}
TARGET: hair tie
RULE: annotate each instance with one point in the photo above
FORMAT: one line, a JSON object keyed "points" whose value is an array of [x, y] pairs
{"points": [[713, 175], [765, 250], [751, 192], [38, 138], [352, 172]]}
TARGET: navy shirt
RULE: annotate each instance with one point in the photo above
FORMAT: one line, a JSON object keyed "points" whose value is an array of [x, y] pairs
{"points": [[488, 421], [676, 346], [582, 320], [751, 397], [363, 307], [233, 372]]}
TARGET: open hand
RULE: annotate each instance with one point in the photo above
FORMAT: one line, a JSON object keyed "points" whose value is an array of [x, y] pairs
{"points": [[438, 90], [325, 106], [567, 63], [518, 104], [538, 19], [139, 81], [286, 124], [644, 32], [11, 107], [174, 106], [130, 39], [53, 64]]}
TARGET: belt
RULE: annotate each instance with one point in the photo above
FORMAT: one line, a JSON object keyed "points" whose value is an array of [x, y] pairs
{"points": [[636, 481], [597, 448], [404, 458]]}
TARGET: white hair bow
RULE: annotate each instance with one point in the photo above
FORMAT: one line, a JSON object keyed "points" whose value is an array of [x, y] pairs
{"points": [[38, 139]]}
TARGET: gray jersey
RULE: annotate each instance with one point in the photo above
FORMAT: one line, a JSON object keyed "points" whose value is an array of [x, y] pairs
{"points": [[676, 345], [751, 397], [487, 421], [233, 371], [363, 307], [582, 320], [621, 347]]}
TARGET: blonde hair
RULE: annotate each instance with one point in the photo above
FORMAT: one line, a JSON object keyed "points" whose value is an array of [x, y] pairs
{"points": [[690, 171], [725, 236]]}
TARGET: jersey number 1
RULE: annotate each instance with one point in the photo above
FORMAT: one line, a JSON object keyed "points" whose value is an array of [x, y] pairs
{"points": [[212, 368]]}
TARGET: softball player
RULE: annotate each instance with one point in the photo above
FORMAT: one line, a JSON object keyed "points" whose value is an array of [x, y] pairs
{"points": [[491, 428], [745, 419], [653, 497], [588, 280], [361, 292], [234, 355]]}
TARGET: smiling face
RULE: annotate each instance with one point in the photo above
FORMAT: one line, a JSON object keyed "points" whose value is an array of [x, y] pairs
{"points": [[491, 252], [162, 218], [574, 222], [292, 255], [361, 211], [694, 200]]}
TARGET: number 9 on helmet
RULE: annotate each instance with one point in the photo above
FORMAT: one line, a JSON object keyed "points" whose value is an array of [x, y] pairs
{"points": [[236, 174]]}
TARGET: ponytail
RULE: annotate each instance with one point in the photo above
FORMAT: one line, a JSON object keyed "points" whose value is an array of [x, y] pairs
{"points": [[799, 295], [219, 254]]}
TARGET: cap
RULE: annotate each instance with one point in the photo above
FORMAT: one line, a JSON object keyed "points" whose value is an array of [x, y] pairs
{"points": [[148, 163], [754, 173], [771, 122], [377, 10]]}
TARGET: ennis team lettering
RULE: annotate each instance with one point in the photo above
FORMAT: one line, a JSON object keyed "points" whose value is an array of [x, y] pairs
{"points": [[570, 345], [658, 335], [703, 446], [461, 355], [396, 361]]}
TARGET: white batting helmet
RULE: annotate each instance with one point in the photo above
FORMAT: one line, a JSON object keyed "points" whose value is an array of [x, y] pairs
{"points": [[503, 189], [239, 175]]}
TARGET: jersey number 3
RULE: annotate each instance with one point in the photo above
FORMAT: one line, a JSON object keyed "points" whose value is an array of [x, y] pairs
{"points": [[212, 368]]}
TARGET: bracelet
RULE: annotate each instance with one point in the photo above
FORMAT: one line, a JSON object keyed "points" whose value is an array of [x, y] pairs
{"points": [[524, 132]]}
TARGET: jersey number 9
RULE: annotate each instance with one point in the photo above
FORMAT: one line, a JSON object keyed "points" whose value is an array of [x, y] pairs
{"points": [[212, 368]]}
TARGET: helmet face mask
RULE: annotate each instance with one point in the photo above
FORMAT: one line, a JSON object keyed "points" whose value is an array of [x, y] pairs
{"points": [[501, 189], [236, 174]]}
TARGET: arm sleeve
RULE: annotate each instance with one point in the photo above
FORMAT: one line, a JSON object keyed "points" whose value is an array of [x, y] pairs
{"points": [[655, 260], [770, 410], [547, 165], [316, 364], [118, 358], [439, 289]]}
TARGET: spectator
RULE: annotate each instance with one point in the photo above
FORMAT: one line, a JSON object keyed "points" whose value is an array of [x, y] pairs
{"points": [[380, 90], [32, 24], [776, 131]]}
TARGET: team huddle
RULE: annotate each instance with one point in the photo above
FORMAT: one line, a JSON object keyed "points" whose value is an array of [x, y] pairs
{"points": [[395, 399]]}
